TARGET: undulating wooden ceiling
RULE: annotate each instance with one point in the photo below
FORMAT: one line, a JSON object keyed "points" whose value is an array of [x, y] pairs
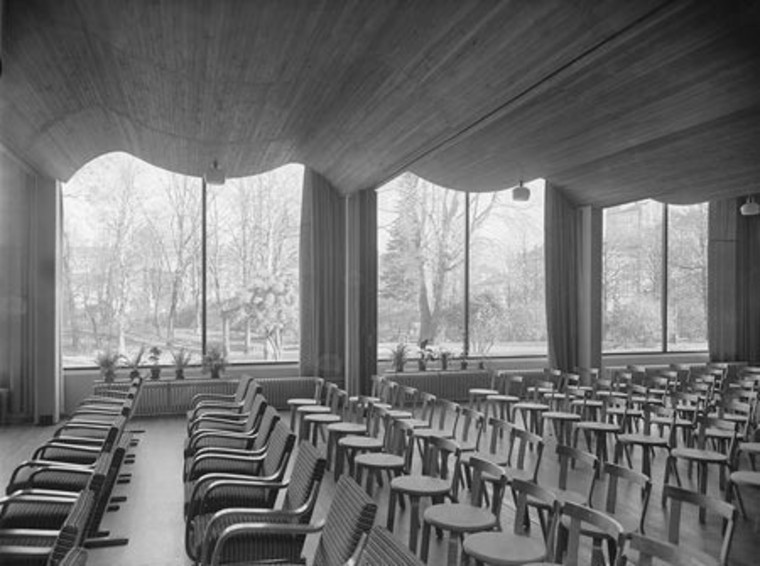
{"points": [[612, 100]]}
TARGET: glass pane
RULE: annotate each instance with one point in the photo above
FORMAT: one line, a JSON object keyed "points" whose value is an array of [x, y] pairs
{"points": [[131, 260], [632, 277], [421, 265], [253, 241], [507, 305], [687, 277]]}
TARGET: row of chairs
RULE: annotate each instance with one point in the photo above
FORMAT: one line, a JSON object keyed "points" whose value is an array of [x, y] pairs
{"points": [[56, 500], [499, 429], [243, 506]]}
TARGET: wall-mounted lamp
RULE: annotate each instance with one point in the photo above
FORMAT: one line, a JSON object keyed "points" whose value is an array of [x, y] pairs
{"points": [[750, 208], [214, 175], [521, 193]]}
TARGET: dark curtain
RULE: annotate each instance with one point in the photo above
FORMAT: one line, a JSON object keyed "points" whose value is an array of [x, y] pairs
{"points": [[561, 258], [362, 289], [733, 308], [322, 280]]}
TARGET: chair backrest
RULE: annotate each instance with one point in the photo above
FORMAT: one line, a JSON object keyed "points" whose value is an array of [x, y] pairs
{"points": [[567, 456], [677, 496], [253, 421], [245, 382], [268, 420], [471, 427], [305, 479], [448, 411], [427, 407], [520, 440], [525, 491], [384, 549], [407, 398], [646, 549], [330, 390], [73, 531], [613, 474], [514, 385], [580, 517], [485, 473], [351, 514], [442, 460], [279, 449]]}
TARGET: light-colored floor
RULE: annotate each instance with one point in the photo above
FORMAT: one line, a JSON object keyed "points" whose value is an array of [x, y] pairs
{"points": [[152, 515]]}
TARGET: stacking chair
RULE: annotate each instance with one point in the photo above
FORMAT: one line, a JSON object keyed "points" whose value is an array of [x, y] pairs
{"points": [[212, 402], [314, 424], [231, 418], [272, 535], [478, 395], [249, 445], [383, 549], [295, 402], [572, 456], [394, 459], [353, 422], [225, 433], [517, 547], [269, 466], [438, 480], [511, 392], [676, 497], [646, 439], [462, 519], [616, 476], [444, 426], [646, 549], [325, 407], [47, 546], [226, 502]]}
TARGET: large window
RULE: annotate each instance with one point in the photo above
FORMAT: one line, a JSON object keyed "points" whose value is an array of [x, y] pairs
{"points": [[422, 278], [655, 277], [132, 262]]}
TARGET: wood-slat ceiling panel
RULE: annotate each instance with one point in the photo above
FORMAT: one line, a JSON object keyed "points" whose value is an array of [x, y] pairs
{"points": [[688, 73]]}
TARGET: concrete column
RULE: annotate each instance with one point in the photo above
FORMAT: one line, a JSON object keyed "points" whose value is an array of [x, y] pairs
{"points": [[590, 287]]}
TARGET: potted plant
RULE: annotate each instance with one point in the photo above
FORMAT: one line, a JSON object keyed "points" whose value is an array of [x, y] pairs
{"points": [[426, 354], [181, 361], [214, 361], [463, 361], [154, 355], [108, 361], [445, 356], [133, 363], [399, 355]]}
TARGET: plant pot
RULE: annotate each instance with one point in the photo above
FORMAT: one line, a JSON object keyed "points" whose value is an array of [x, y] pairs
{"points": [[134, 374], [463, 364], [109, 375], [444, 364], [421, 365], [216, 373], [155, 373], [179, 373], [481, 365], [399, 368]]}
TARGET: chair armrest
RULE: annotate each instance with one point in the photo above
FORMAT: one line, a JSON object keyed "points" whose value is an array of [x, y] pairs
{"points": [[207, 490], [224, 436], [200, 397], [198, 424], [258, 529], [198, 462]]}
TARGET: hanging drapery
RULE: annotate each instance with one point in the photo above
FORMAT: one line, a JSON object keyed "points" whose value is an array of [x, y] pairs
{"points": [[561, 230], [733, 306], [322, 279], [361, 290], [16, 193]]}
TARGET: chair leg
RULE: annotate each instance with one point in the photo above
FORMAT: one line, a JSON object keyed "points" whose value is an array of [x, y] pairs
{"points": [[425, 549]]}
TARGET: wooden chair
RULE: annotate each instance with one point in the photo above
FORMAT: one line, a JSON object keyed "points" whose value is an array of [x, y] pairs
{"points": [[296, 402], [646, 440], [470, 517], [325, 407], [439, 480], [569, 456], [517, 547], [500, 404], [395, 458], [314, 425], [267, 537], [676, 497], [353, 422], [477, 395], [349, 446], [228, 501], [646, 549]]}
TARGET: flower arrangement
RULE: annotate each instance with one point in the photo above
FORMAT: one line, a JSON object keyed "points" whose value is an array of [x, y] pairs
{"points": [[214, 361], [108, 361], [154, 355], [399, 355], [134, 362], [181, 359]]}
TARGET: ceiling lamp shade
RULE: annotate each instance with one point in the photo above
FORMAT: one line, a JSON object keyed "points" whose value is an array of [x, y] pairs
{"points": [[521, 193], [750, 208], [214, 175]]}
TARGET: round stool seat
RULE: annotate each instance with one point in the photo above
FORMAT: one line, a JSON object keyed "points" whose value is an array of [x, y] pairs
{"points": [[482, 392], [347, 428], [323, 418], [596, 426], [421, 485], [380, 460], [504, 549], [749, 447], [746, 477], [301, 401], [361, 443], [531, 406], [312, 409], [400, 414], [561, 416], [643, 439], [417, 423], [459, 517], [709, 456], [498, 398]]}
